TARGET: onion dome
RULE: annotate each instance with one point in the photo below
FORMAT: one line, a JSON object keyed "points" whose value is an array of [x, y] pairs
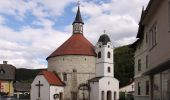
{"points": [[104, 39], [77, 44]]}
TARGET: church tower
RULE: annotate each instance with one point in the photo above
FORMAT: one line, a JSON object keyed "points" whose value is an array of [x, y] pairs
{"points": [[104, 60], [104, 86], [74, 61], [78, 23]]}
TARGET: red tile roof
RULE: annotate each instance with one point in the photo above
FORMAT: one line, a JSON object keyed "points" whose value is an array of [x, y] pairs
{"points": [[77, 44], [52, 78]]}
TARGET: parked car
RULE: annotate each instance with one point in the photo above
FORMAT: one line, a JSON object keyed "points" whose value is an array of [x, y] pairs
{"points": [[8, 98]]}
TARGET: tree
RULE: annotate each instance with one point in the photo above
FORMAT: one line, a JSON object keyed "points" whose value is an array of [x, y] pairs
{"points": [[124, 64]]}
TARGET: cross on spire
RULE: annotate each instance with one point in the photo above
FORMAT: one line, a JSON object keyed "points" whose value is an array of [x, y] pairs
{"points": [[78, 2]]}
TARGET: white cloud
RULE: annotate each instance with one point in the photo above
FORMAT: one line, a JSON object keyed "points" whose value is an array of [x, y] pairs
{"points": [[28, 47], [2, 20], [119, 18], [39, 8]]}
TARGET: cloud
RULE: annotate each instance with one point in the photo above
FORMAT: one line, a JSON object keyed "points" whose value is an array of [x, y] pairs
{"points": [[29, 46], [39, 8], [119, 18], [2, 20]]}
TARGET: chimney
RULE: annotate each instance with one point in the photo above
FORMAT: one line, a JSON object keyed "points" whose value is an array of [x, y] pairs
{"points": [[5, 62]]}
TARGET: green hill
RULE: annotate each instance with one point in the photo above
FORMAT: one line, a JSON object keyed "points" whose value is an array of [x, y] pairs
{"points": [[26, 75], [124, 64]]}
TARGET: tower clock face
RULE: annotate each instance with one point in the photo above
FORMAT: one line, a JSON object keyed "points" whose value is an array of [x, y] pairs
{"points": [[78, 27]]}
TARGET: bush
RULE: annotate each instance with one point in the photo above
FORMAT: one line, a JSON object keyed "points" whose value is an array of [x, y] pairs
{"points": [[122, 96]]}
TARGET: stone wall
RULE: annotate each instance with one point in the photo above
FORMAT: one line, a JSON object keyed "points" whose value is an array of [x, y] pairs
{"points": [[83, 65]]}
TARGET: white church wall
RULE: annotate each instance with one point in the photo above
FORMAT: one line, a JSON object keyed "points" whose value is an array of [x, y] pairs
{"points": [[102, 69], [85, 66], [44, 90], [109, 84], [94, 92], [55, 90], [104, 49], [104, 62]]}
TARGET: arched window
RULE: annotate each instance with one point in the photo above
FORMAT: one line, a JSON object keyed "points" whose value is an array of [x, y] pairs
{"points": [[108, 69], [99, 55], [64, 76], [108, 54], [115, 96], [2, 71], [109, 95]]}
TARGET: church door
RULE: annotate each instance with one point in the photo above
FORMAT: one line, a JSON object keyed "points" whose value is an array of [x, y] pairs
{"points": [[109, 95], [61, 96]]}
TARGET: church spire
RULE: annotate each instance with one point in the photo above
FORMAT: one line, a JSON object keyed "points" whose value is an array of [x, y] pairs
{"points": [[78, 22], [78, 18]]}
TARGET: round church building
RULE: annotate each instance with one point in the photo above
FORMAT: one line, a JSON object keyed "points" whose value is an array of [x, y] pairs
{"points": [[74, 62]]}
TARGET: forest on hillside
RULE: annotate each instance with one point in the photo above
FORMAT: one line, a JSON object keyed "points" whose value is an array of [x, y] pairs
{"points": [[123, 63]]}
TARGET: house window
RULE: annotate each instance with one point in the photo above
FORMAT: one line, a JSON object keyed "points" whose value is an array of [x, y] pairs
{"points": [[139, 88], [108, 69], [139, 65], [2, 71], [102, 95], [147, 37], [153, 36], [147, 87], [99, 55], [108, 54], [147, 61], [64, 76]]}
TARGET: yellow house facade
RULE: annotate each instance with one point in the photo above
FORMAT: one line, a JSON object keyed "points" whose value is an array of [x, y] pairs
{"points": [[7, 77]]}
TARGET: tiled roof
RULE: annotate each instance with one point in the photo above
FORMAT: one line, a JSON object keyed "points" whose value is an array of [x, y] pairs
{"points": [[22, 87], [52, 78], [77, 44], [95, 79], [7, 72]]}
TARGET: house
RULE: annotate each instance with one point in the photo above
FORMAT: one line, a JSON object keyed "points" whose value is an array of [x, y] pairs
{"points": [[22, 90], [7, 77], [152, 55], [47, 86], [104, 86], [128, 90]]}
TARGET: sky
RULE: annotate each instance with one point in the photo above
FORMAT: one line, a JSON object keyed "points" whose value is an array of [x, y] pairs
{"points": [[30, 30]]}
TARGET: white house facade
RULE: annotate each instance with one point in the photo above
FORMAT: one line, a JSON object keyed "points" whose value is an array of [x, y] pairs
{"points": [[47, 86], [152, 52], [128, 88], [104, 86]]}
